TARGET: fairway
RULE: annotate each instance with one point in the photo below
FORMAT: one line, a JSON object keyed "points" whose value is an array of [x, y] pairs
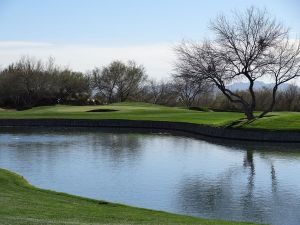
{"points": [[289, 121]]}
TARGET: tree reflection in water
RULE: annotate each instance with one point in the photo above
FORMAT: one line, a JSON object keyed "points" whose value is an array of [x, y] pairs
{"points": [[220, 197]]}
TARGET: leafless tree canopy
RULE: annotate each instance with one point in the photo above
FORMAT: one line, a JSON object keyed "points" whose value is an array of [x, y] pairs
{"points": [[247, 46], [189, 92], [118, 82]]}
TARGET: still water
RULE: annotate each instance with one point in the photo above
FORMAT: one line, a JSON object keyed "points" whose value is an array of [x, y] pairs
{"points": [[205, 178]]}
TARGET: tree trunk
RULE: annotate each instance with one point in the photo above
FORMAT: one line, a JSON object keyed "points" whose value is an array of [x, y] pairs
{"points": [[249, 114], [270, 108], [253, 98]]}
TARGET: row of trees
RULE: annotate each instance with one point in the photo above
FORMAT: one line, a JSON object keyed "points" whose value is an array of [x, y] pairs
{"points": [[210, 98], [30, 82], [120, 82], [287, 99]]}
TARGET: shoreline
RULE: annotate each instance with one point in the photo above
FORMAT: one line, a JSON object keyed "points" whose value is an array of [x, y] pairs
{"points": [[27, 204], [195, 129]]}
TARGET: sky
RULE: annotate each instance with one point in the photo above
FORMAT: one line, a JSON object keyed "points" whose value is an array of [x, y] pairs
{"points": [[82, 34]]}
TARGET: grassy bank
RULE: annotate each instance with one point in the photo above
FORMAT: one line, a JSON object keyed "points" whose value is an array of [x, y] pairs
{"points": [[142, 111], [21, 203]]}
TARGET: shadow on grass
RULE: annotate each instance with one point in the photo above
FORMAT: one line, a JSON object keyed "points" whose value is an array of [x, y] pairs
{"points": [[103, 110], [243, 121]]}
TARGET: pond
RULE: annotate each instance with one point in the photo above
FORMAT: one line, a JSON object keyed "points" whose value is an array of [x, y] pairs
{"points": [[205, 178]]}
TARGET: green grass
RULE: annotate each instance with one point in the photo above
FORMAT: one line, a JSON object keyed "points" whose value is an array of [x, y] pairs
{"points": [[289, 121], [144, 111], [21, 203]]}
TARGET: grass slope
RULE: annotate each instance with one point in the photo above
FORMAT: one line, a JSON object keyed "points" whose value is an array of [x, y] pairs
{"points": [[21, 203], [143, 111]]}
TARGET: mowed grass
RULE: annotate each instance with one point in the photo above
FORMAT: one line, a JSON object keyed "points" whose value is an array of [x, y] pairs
{"points": [[144, 111], [289, 121], [131, 111], [21, 203]]}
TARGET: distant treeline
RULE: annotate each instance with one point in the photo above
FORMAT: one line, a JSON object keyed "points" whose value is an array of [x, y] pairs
{"points": [[29, 82]]}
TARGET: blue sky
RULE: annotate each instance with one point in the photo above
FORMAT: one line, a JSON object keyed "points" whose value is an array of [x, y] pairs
{"points": [[143, 30]]}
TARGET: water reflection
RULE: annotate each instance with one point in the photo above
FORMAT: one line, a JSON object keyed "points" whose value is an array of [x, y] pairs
{"points": [[117, 146], [210, 178], [230, 196]]}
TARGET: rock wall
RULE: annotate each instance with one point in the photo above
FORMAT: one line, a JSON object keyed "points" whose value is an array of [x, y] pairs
{"points": [[227, 133]]}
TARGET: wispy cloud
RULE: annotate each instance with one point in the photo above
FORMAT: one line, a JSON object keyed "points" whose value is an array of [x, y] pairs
{"points": [[22, 44], [157, 58]]}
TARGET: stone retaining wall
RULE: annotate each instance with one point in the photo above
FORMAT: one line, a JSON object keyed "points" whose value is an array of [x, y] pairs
{"points": [[228, 133]]}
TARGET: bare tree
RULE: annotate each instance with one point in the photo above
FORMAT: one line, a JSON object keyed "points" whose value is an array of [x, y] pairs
{"points": [[118, 81], [189, 90], [248, 46], [24, 81], [105, 81], [284, 66], [290, 97], [129, 84], [156, 91], [160, 92]]}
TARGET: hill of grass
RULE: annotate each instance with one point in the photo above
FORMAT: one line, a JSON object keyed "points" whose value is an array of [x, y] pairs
{"points": [[143, 111]]}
